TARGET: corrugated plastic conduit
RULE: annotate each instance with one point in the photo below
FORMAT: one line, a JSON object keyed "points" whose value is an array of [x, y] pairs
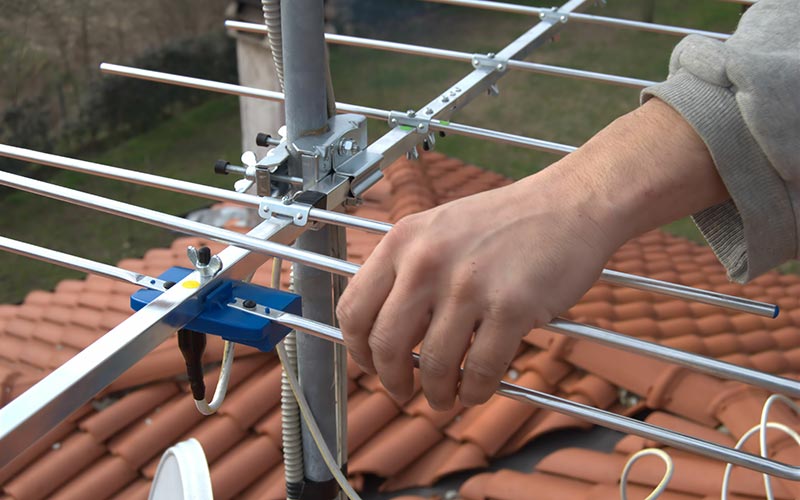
{"points": [[291, 431], [299, 401]]}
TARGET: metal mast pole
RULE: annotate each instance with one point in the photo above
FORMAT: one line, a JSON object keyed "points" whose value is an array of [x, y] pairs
{"points": [[322, 367]]}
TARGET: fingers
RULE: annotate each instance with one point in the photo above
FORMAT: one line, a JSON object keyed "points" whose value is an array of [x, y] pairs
{"points": [[443, 350], [399, 327], [359, 306], [496, 342]]}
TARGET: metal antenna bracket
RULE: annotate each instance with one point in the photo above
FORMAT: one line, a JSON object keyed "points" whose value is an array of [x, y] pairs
{"points": [[410, 120], [489, 61], [212, 314]]}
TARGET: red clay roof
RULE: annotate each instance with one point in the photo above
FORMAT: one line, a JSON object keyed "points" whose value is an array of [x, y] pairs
{"points": [[112, 445]]}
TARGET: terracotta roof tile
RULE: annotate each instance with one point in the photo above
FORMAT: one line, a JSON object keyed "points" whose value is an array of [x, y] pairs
{"points": [[104, 424], [240, 467], [367, 416], [395, 446], [445, 458], [68, 458], [163, 425], [102, 479], [269, 487]]}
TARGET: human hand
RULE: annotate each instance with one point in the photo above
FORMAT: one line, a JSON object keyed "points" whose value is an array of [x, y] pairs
{"points": [[502, 262], [495, 264]]}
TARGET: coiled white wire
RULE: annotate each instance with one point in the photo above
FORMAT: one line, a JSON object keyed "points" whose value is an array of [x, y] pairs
{"points": [[761, 428], [661, 486], [202, 405]]}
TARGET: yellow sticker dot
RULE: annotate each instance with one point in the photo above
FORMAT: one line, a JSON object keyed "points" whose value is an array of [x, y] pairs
{"points": [[191, 284]]}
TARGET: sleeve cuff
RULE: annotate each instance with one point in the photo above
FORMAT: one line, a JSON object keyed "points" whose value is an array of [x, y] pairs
{"points": [[754, 231]]}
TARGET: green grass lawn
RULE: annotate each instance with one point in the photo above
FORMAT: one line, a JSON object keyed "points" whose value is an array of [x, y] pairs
{"points": [[183, 148], [556, 109]]}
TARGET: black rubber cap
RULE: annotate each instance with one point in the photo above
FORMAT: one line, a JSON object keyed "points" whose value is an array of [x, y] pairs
{"points": [[262, 139], [221, 167], [426, 146], [192, 345], [442, 134], [204, 255]]}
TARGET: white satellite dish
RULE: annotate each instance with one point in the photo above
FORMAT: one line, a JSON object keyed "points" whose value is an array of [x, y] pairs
{"points": [[182, 473]]}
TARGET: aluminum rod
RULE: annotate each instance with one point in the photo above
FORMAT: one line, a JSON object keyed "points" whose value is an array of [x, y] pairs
{"points": [[179, 224], [697, 362], [584, 18], [689, 293], [454, 55], [584, 412], [379, 114], [39, 409], [80, 264], [340, 219], [226, 88], [184, 187], [502, 137]]}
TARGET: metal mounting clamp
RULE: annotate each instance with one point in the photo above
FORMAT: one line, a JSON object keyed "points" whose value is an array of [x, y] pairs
{"points": [[227, 310], [286, 207], [410, 120], [553, 16], [489, 61]]}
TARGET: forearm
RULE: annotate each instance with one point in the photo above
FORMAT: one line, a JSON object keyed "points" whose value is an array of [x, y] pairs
{"points": [[645, 169]]}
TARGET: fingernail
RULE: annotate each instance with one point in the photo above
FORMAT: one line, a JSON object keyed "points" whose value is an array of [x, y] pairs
{"points": [[438, 406]]}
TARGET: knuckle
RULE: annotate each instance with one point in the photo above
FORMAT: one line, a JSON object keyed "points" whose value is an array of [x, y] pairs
{"points": [[433, 366], [464, 286], [485, 372], [381, 347], [403, 229], [345, 313], [510, 305]]}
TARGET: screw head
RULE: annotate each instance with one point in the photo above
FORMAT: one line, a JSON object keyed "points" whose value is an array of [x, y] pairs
{"points": [[348, 146]]}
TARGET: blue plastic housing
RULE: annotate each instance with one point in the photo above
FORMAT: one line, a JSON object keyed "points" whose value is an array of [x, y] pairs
{"points": [[214, 317]]}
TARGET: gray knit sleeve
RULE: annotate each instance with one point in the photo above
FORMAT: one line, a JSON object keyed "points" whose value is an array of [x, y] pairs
{"points": [[743, 98]]}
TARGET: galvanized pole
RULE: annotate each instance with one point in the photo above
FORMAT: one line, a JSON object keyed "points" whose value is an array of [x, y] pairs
{"points": [[321, 365]]}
